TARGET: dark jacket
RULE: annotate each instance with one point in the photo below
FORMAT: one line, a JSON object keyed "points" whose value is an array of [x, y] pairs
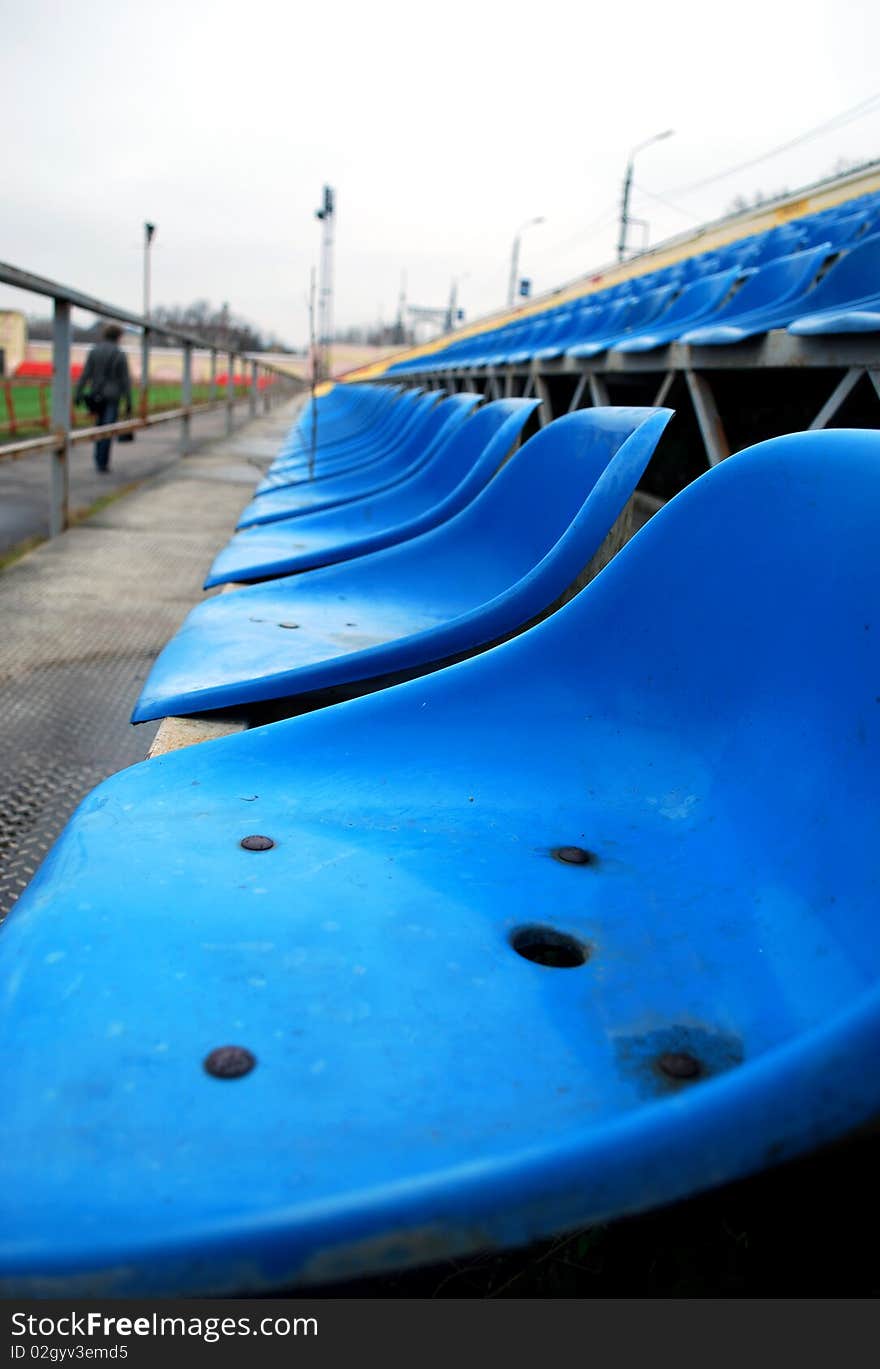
{"points": [[105, 374]]}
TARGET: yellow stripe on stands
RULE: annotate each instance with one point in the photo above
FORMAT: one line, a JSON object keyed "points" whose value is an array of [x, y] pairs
{"points": [[703, 240]]}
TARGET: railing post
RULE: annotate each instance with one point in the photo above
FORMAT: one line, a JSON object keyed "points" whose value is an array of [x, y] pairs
{"points": [[268, 376], [145, 371], [186, 393], [212, 387], [230, 391], [254, 390], [59, 478]]}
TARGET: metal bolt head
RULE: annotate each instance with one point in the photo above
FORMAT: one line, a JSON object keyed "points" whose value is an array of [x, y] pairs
{"points": [[257, 843], [229, 1062], [679, 1065], [574, 855]]}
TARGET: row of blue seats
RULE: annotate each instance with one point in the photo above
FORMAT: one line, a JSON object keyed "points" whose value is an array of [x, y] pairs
{"points": [[578, 925], [818, 275]]}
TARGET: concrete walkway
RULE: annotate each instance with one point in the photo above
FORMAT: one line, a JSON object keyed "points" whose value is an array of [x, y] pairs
{"points": [[24, 484], [83, 616]]}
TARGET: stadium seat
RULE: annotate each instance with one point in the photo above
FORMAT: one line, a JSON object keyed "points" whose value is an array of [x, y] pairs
{"points": [[403, 425], [576, 928], [642, 310], [485, 573], [703, 296], [779, 284], [399, 462], [849, 283], [458, 470]]}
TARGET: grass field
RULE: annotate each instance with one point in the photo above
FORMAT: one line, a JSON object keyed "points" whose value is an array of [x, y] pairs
{"points": [[28, 414]]}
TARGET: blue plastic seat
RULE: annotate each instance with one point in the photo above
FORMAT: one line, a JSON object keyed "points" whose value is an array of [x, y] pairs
{"points": [[643, 310], [778, 285], [697, 300], [393, 433], [456, 472], [864, 319], [486, 572], [576, 928], [289, 497], [848, 282]]}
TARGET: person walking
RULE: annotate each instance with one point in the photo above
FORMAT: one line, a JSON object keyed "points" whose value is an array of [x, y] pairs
{"points": [[104, 383]]}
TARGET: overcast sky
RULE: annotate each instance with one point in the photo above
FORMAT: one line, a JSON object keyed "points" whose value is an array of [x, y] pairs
{"points": [[442, 127]]}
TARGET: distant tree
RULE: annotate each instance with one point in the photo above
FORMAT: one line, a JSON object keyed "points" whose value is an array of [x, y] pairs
{"points": [[216, 327], [741, 203]]}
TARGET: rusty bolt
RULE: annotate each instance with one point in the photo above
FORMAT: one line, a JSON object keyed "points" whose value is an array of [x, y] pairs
{"points": [[257, 843], [574, 855], [229, 1062], [679, 1065]]}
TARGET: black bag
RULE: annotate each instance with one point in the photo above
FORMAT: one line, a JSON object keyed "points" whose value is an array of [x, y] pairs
{"points": [[125, 437]]}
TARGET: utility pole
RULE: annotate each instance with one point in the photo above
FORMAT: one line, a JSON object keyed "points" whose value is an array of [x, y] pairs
{"points": [[625, 217], [400, 328], [313, 445], [327, 215], [149, 234]]}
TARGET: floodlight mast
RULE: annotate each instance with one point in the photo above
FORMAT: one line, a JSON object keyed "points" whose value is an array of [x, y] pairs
{"points": [[327, 215]]}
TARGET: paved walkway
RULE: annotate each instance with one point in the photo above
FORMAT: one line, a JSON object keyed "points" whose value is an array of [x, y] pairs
{"points": [[24, 484], [83, 616]]}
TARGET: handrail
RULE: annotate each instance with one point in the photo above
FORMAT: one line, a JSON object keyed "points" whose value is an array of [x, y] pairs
{"points": [[64, 436], [41, 285]]}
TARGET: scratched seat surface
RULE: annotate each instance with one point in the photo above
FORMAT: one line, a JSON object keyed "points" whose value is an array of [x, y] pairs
{"points": [[432, 425], [463, 1034], [485, 572], [457, 470]]}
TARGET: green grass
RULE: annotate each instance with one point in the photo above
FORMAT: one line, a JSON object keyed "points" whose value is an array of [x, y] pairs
{"points": [[26, 402]]}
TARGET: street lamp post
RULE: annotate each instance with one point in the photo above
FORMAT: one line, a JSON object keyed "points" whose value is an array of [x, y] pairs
{"points": [[452, 307], [149, 232], [627, 187], [514, 259]]}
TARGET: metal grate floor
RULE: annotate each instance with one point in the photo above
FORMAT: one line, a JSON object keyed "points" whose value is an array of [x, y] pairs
{"points": [[81, 619]]}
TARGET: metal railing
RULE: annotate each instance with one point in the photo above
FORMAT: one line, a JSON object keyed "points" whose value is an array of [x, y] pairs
{"points": [[277, 384]]}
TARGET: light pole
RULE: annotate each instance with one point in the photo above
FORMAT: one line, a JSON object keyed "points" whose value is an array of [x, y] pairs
{"points": [[514, 259], [149, 233], [627, 186], [452, 307]]}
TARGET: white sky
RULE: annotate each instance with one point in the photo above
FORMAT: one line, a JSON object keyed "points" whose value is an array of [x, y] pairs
{"points": [[442, 127]]}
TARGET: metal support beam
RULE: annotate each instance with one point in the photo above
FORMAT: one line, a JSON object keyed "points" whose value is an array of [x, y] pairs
{"points": [[843, 388], [508, 383], [665, 387], [529, 386], [712, 429], [545, 411], [875, 379], [59, 475], [578, 392], [598, 390], [230, 391], [254, 391], [186, 394]]}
